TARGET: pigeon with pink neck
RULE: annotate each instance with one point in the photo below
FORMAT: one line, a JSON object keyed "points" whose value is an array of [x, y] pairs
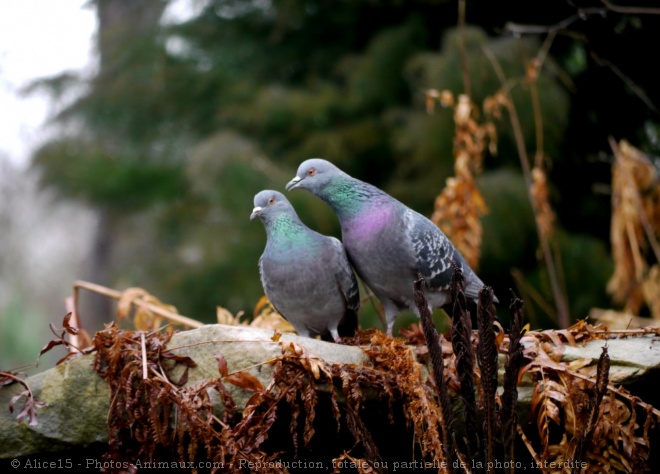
{"points": [[388, 243]]}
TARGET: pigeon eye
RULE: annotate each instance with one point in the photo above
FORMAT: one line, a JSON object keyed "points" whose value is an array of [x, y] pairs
{"points": [[271, 201], [311, 172]]}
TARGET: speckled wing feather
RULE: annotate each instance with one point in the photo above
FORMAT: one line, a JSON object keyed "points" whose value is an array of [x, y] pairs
{"points": [[432, 250]]}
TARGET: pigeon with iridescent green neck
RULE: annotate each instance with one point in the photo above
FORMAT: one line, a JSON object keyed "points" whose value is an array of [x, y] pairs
{"points": [[388, 243], [305, 275]]}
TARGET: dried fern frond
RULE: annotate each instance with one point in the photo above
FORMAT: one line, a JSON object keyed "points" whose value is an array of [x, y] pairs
{"points": [[144, 316], [445, 425], [651, 291], [266, 316], [460, 205], [509, 397], [147, 310], [461, 341], [582, 422], [487, 359], [545, 216], [394, 357], [635, 225]]}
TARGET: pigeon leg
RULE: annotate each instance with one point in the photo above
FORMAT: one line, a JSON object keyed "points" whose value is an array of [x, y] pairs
{"points": [[391, 312]]}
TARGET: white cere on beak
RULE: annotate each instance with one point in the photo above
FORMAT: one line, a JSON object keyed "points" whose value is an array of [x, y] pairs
{"points": [[291, 184], [255, 211]]}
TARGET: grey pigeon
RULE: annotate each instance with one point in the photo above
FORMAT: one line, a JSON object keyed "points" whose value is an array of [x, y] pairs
{"points": [[305, 275], [388, 243]]}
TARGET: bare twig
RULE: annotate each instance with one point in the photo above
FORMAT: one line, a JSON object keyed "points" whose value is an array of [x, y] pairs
{"points": [[560, 299], [109, 292], [582, 14], [633, 10], [145, 372], [638, 91], [519, 29], [465, 68]]}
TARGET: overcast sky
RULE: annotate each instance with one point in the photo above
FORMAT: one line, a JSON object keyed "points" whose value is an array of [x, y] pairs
{"points": [[40, 38], [37, 38]]}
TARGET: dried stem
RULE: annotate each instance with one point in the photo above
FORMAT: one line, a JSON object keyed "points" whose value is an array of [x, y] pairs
{"points": [[102, 290], [461, 331], [508, 418], [145, 372], [632, 10], [582, 13], [637, 90], [595, 398], [487, 359], [560, 299], [437, 365], [648, 229], [465, 67]]}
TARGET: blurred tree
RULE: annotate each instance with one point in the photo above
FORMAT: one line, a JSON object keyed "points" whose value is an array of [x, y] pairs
{"points": [[43, 243], [186, 121]]}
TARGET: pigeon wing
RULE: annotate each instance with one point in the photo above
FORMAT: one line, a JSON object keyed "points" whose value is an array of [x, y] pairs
{"points": [[346, 281], [268, 288], [433, 253]]}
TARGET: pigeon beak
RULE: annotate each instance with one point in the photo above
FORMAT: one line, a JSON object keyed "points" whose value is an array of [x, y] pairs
{"points": [[293, 184], [255, 212]]}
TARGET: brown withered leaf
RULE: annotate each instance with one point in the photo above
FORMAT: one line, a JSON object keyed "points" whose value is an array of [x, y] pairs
{"points": [[395, 359], [222, 365], [265, 316], [30, 405], [651, 290], [347, 462], [460, 205], [8, 378], [67, 326], [126, 302], [314, 364], [60, 339], [131, 303], [51, 344], [186, 361], [635, 224], [414, 334], [246, 381], [545, 216], [224, 316], [579, 416]]}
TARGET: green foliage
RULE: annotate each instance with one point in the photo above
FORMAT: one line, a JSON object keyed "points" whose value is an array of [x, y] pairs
{"points": [[184, 123], [587, 266], [86, 170], [508, 228], [18, 343]]}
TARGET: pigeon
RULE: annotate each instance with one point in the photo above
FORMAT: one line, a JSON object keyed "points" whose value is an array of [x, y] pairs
{"points": [[388, 243], [306, 276]]}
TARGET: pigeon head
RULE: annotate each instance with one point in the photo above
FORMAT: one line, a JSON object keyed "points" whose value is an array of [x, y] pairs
{"points": [[313, 175], [268, 204]]}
